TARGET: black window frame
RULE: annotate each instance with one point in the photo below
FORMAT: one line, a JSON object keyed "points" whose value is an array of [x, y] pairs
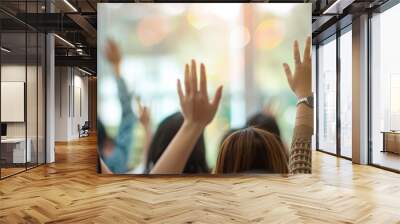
{"points": [[333, 36]]}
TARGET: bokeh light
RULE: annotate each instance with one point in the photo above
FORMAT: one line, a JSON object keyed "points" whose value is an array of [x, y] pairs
{"points": [[223, 11], [269, 34], [277, 9], [198, 18], [172, 9], [239, 37], [152, 30]]}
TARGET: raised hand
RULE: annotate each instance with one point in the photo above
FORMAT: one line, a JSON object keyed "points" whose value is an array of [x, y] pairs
{"points": [[145, 120], [300, 81], [197, 111], [195, 104], [271, 108], [113, 55], [143, 114]]}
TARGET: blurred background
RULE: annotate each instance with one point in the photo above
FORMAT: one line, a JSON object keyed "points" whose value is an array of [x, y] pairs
{"points": [[242, 45]]}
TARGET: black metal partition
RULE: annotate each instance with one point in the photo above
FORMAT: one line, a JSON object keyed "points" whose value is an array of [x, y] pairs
{"points": [[22, 89]]}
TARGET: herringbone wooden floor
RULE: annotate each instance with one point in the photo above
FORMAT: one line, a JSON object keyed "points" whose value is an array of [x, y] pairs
{"points": [[70, 191]]}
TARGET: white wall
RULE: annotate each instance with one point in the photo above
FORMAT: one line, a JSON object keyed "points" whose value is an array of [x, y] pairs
{"points": [[61, 103], [16, 73], [71, 94], [80, 103], [12, 73], [33, 126]]}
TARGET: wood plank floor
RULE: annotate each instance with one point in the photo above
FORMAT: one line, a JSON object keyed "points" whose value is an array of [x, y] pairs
{"points": [[10, 171], [70, 191]]}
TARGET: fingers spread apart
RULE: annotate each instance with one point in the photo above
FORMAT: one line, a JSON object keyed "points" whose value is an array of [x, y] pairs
{"points": [[307, 50], [217, 97], [296, 53], [289, 74], [190, 82]]}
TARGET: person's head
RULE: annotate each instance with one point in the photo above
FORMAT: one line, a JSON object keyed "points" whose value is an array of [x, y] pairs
{"points": [[252, 150], [163, 136], [227, 134], [264, 122]]}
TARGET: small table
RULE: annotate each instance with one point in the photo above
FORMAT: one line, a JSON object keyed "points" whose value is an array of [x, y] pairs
{"points": [[391, 141]]}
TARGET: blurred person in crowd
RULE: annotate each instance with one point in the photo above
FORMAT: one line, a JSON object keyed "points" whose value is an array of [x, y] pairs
{"points": [[164, 134], [261, 120], [114, 152], [265, 122], [144, 117], [249, 143], [252, 150], [227, 134]]}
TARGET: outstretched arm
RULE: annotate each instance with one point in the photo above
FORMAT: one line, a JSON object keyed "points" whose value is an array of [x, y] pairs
{"points": [[117, 161], [300, 83], [198, 112]]}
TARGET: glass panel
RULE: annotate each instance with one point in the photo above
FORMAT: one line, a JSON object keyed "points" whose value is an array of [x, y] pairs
{"points": [[327, 97], [386, 89], [346, 94], [13, 87], [31, 88], [31, 98], [23, 91]]}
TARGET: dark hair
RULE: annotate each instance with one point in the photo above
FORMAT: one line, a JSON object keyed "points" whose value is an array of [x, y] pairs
{"points": [[252, 150], [266, 123], [165, 133]]}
